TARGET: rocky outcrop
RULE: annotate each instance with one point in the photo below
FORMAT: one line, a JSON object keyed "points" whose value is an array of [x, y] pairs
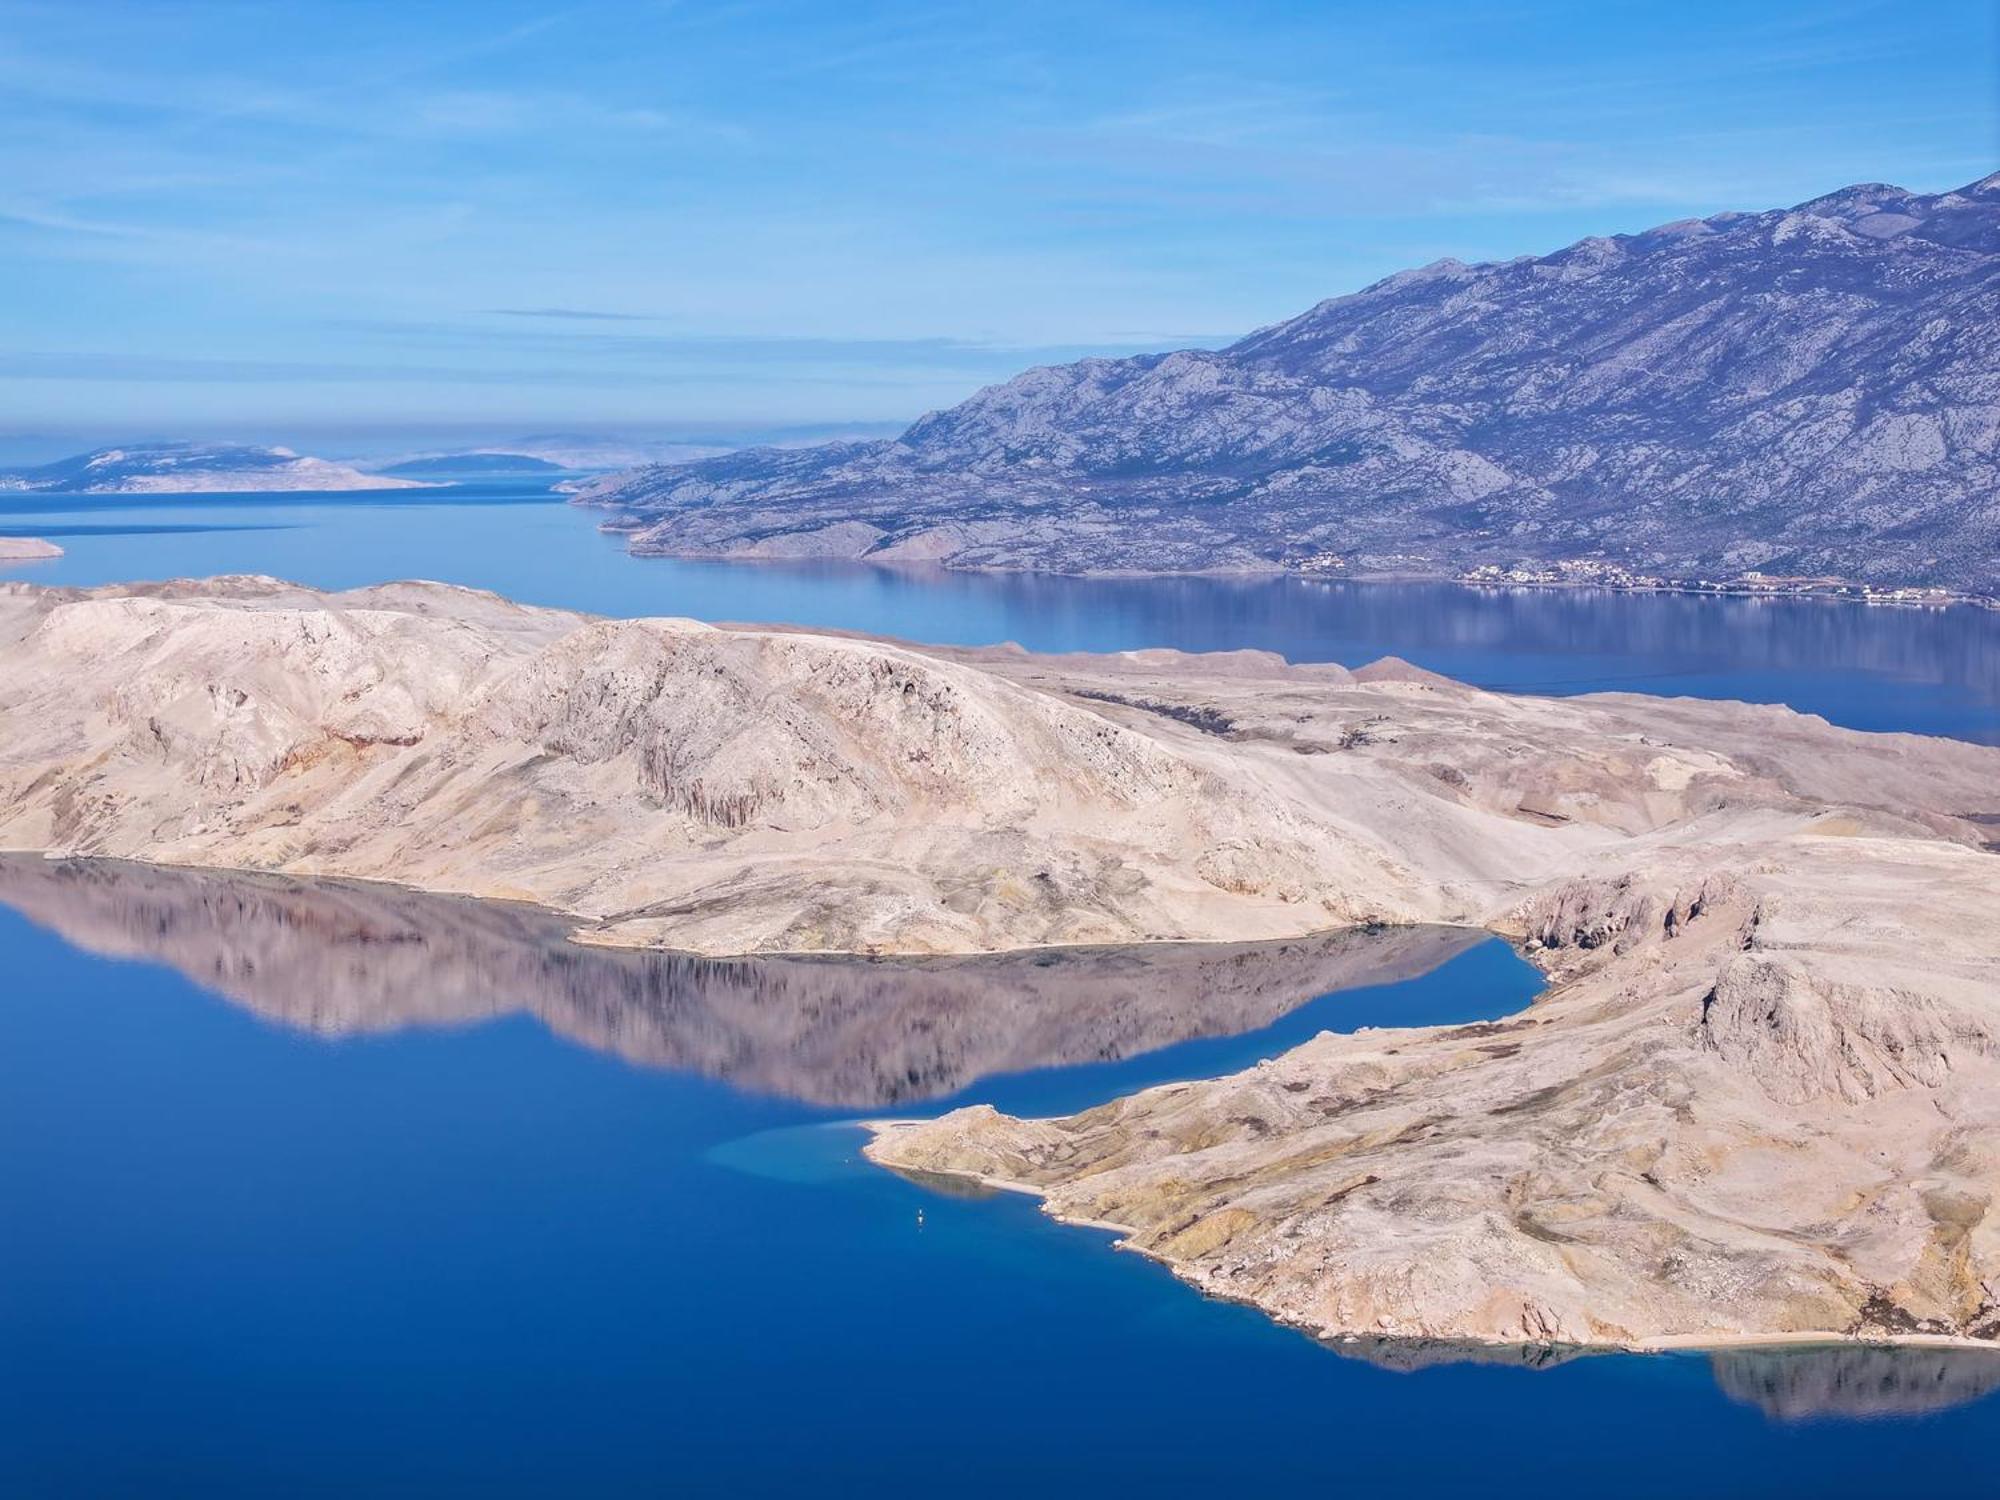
{"points": [[1759, 1101], [1802, 392], [27, 549]]}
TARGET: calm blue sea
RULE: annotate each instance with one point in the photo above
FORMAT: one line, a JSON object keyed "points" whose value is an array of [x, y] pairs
{"points": [[458, 1235], [1936, 671], [241, 1258]]}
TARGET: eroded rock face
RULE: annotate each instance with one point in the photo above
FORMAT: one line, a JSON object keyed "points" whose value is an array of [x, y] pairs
{"points": [[716, 790]]}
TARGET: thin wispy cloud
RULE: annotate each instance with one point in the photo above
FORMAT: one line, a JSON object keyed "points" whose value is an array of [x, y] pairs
{"points": [[870, 209], [127, 369], [573, 314]]}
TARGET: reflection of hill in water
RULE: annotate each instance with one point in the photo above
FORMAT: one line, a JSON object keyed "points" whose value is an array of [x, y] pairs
{"points": [[1787, 1383], [341, 957], [1855, 1380], [1406, 1355]]}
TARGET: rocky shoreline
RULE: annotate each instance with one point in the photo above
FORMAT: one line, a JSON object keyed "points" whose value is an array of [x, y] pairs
{"points": [[1487, 577], [1755, 1105], [1439, 1349]]}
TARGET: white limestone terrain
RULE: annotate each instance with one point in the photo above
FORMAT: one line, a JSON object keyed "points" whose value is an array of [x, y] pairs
{"points": [[27, 549], [1759, 1099]]}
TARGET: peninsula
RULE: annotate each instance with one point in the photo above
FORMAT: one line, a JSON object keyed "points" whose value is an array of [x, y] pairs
{"points": [[1756, 1100]]}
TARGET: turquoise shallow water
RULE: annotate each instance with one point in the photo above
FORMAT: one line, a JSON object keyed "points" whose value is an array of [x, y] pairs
{"points": [[318, 1191], [1932, 670]]}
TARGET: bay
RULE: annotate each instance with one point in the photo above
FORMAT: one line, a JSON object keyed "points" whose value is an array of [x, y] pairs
{"points": [[1921, 669]]}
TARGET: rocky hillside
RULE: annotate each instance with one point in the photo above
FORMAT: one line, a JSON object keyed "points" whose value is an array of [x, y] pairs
{"points": [[744, 790], [1803, 392], [717, 790], [1755, 1103]]}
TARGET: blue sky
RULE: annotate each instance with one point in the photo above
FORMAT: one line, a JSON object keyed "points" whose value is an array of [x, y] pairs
{"points": [[225, 218]]}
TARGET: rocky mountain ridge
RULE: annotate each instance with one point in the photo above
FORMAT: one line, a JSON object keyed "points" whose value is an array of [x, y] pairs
{"points": [[1806, 393]]}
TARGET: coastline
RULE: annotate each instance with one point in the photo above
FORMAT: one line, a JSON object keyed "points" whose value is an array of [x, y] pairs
{"points": [[583, 935], [1689, 1343], [1832, 591]]}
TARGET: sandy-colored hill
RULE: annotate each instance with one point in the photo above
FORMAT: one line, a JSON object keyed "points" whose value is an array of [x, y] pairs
{"points": [[738, 790]]}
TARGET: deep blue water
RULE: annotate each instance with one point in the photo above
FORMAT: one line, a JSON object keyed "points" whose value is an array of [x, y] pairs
{"points": [[1934, 671], [240, 1258]]}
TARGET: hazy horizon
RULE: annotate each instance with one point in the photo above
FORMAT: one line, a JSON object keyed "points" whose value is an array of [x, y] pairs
{"points": [[654, 219]]}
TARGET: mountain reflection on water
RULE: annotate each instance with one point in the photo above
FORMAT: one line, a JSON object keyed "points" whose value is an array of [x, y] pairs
{"points": [[339, 958], [1786, 1382], [1855, 1380]]}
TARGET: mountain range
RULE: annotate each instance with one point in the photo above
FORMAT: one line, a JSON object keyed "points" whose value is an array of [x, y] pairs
{"points": [[1810, 392]]}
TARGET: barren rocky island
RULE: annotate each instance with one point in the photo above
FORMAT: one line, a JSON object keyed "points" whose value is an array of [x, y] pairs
{"points": [[1758, 1099]]}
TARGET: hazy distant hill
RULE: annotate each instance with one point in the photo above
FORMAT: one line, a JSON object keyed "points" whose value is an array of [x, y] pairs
{"points": [[471, 466], [1809, 390], [174, 468]]}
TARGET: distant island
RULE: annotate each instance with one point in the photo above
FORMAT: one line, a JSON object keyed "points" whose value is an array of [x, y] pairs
{"points": [[27, 549], [190, 468], [469, 466], [1799, 400]]}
